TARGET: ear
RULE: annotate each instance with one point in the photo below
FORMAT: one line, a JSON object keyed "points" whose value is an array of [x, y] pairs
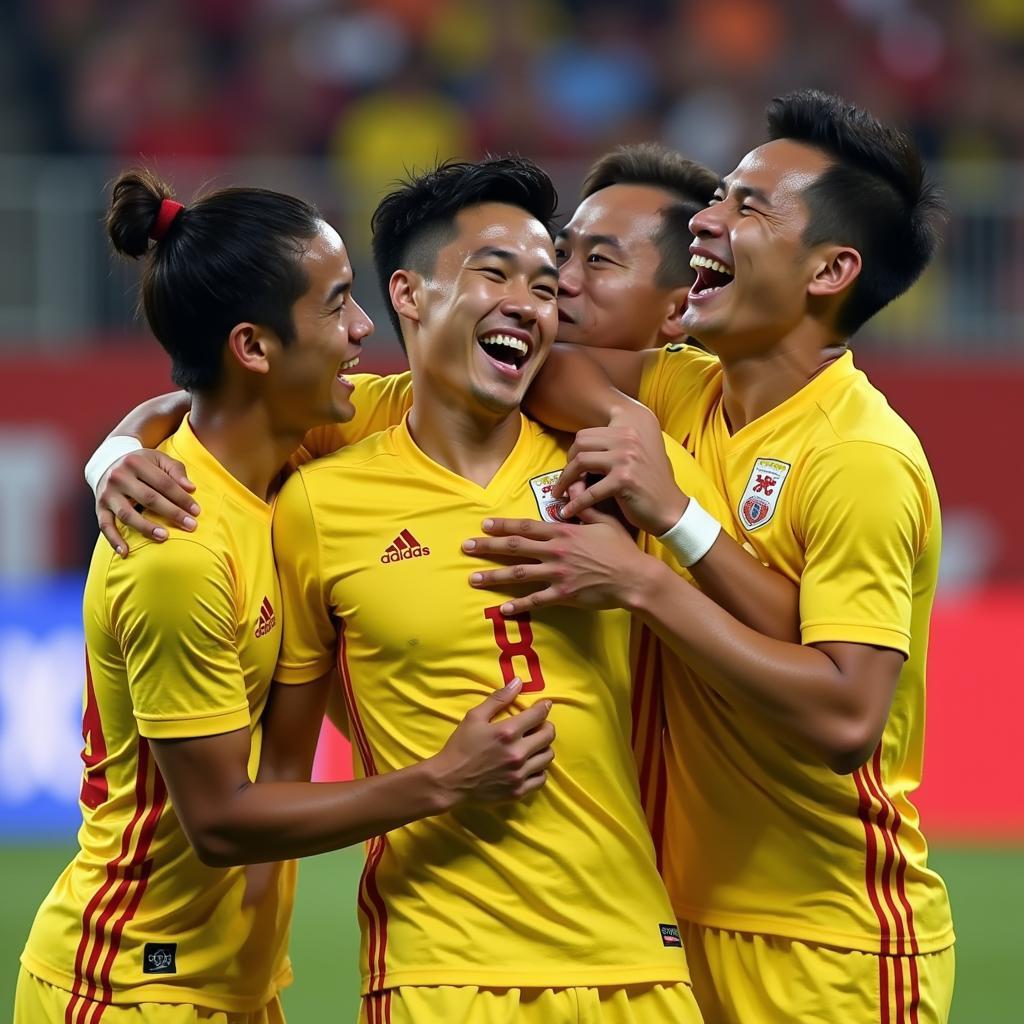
{"points": [[249, 345], [837, 269], [671, 327], [404, 291]]}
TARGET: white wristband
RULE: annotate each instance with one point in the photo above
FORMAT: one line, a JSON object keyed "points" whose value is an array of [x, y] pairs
{"points": [[106, 455], [691, 538]]}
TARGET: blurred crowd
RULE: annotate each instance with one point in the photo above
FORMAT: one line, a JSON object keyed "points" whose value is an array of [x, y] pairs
{"points": [[380, 84]]}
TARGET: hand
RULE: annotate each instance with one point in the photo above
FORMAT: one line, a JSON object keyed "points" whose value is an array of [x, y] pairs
{"points": [[153, 480], [629, 457], [593, 565], [486, 761]]}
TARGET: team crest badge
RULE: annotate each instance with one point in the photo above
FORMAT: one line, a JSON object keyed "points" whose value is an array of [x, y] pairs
{"points": [[761, 495], [550, 508]]}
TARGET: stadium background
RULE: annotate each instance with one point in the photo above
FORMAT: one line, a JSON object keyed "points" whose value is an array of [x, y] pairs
{"points": [[332, 99]]}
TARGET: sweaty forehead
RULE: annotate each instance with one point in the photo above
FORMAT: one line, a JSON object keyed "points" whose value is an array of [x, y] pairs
{"points": [[499, 226], [620, 210], [780, 169]]}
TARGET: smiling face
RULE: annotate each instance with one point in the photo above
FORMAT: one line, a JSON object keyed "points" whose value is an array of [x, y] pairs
{"points": [[753, 269], [308, 380], [608, 262], [481, 323]]}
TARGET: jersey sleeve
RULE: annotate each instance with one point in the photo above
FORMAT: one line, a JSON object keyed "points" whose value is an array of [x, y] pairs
{"points": [[671, 383], [865, 513], [380, 402], [310, 635], [174, 614]]}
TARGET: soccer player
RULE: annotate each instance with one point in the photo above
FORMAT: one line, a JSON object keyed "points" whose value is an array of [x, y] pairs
{"points": [[250, 293], [802, 883], [547, 911]]}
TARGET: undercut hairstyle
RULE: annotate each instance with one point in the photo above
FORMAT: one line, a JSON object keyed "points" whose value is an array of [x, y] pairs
{"points": [[231, 256], [875, 197], [691, 184], [417, 219]]}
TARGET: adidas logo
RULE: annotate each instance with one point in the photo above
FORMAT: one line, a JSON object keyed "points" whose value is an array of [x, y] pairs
{"points": [[404, 546], [268, 620]]}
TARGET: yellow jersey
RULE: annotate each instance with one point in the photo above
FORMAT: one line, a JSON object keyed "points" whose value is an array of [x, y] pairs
{"points": [[181, 641], [380, 402], [559, 890], [832, 489]]}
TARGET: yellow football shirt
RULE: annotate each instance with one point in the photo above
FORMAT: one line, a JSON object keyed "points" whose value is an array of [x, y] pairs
{"points": [[380, 402], [181, 641], [832, 489], [558, 890]]}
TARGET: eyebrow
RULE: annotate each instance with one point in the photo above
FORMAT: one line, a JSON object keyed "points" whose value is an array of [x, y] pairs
{"points": [[547, 269], [340, 289], [591, 240]]}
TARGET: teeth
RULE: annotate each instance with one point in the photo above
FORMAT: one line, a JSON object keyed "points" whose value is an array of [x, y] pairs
{"points": [[704, 261], [504, 339], [351, 364]]}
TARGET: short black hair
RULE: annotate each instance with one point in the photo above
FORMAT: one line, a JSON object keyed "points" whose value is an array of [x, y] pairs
{"points": [[692, 184], [875, 197], [417, 218], [228, 257]]}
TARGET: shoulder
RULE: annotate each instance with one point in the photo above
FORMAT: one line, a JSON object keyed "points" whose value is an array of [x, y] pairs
{"points": [[377, 448]]}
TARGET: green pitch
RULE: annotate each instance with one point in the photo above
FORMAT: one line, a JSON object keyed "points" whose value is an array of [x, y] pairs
{"points": [[986, 887]]}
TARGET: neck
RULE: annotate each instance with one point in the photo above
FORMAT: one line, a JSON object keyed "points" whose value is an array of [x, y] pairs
{"points": [[472, 443], [239, 433], [754, 383]]}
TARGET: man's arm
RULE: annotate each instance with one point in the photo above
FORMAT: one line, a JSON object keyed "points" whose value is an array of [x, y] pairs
{"points": [[146, 478], [231, 820], [581, 387], [832, 698]]}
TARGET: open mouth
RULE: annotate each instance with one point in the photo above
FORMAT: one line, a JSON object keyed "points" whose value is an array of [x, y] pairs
{"points": [[349, 364], [712, 275], [506, 349]]}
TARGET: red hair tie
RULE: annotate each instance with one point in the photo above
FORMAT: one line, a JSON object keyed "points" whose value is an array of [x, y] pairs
{"points": [[169, 209]]}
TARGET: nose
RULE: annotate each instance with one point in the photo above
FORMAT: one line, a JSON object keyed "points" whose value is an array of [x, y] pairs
{"points": [[707, 222], [570, 277], [361, 326], [519, 302]]}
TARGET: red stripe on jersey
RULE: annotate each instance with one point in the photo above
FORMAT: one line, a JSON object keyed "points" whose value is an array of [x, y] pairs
{"points": [[112, 870], [387, 1007], [144, 865], [639, 681], [900, 993], [368, 893], [871, 860], [882, 821], [883, 990], [915, 990], [901, 867]]}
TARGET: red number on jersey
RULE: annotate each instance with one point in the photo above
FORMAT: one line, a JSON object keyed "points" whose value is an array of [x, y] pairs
{"points": [[94, 779], [521, 648]]}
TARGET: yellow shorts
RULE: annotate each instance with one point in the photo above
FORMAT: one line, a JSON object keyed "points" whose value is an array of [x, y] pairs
{"points": [[740, 977], [38, 1002], [467, 1004]]}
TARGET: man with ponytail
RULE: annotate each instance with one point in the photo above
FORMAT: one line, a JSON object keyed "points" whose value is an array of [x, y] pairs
{"points": [[194, 764]]}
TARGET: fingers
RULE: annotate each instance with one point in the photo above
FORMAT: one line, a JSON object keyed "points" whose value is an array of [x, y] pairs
{"points": [[531, 602], [533, 529], [511, 574], [597, 492], [126, 513], [160, 490], [497, 701], [538, 762], [541, 737], [579, 465], [177, 471], [534, 721], [512, 546], [111, 534], [533, 783]]}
